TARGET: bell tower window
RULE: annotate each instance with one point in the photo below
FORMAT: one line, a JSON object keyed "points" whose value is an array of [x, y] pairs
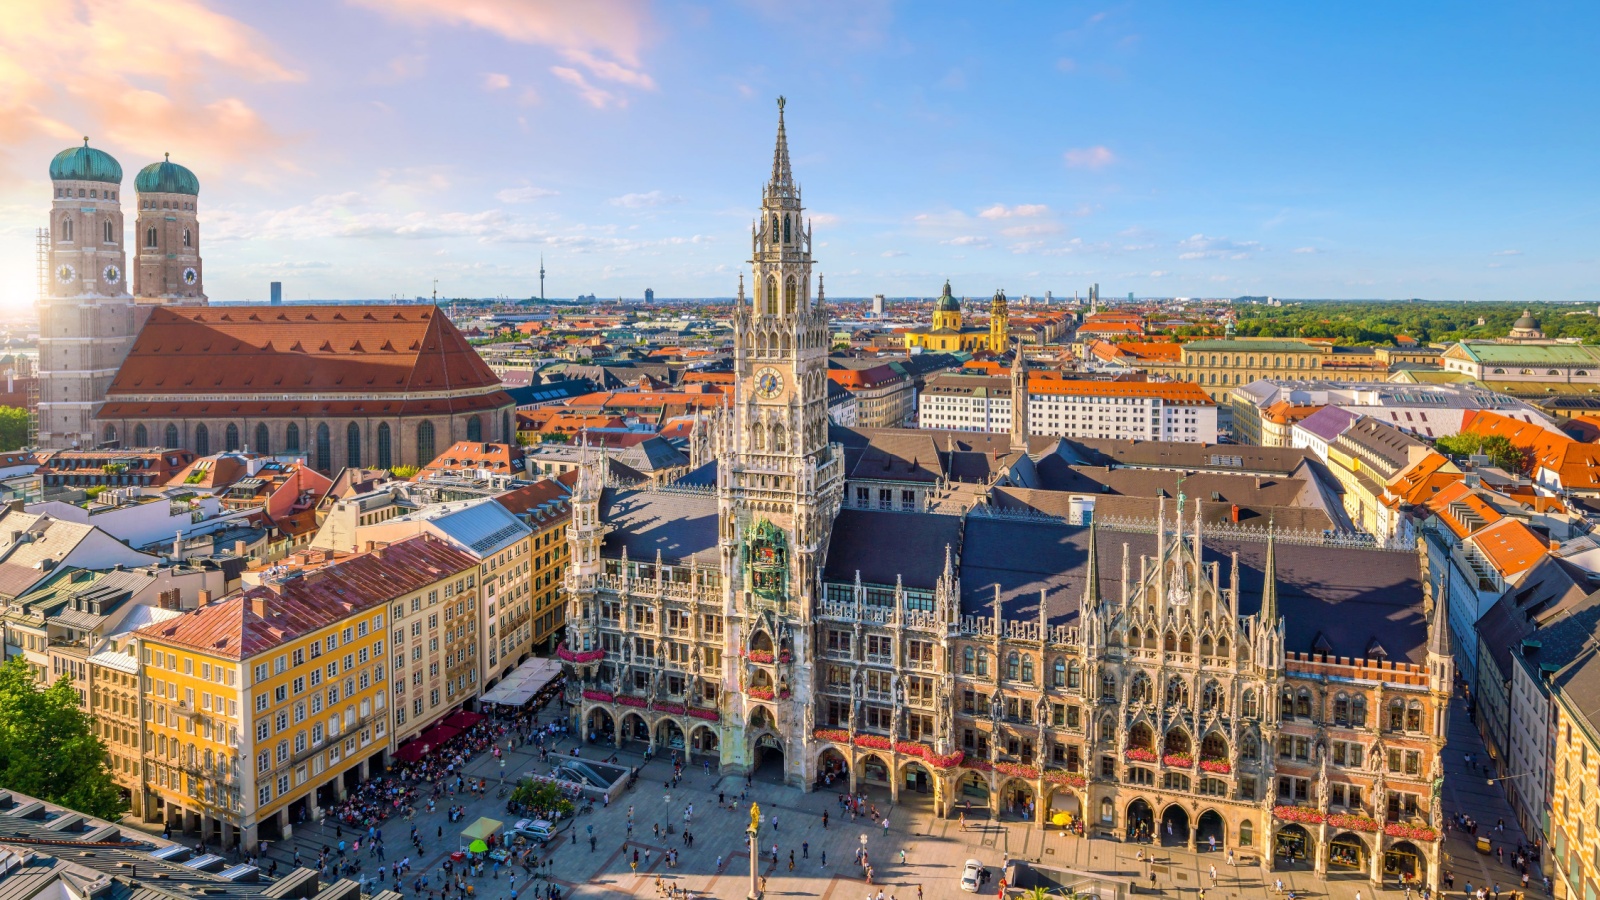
{"points": [[788, 296], [770, 304], [187, 239], [150, 237], [786, 229], [110, 238], [66, 229]]}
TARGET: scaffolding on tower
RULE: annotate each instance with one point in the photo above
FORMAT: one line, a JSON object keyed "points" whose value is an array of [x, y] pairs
{"points": [[41, 252]]}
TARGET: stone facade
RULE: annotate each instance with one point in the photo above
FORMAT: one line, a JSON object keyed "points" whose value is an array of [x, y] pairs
{"points": [[1227, 685]]}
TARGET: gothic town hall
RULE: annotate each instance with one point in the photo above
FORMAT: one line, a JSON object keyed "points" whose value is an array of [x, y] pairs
{"points": [[1281, 693]]}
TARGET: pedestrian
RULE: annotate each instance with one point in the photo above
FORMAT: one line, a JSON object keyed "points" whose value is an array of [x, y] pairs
{"points": [[805, 849], [902, 856], [1213, 876], [823, 854], [824, 820]]}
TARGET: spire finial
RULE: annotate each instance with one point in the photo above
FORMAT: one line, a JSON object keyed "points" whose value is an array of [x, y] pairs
{"points": [[167, 157], [780, 154]]}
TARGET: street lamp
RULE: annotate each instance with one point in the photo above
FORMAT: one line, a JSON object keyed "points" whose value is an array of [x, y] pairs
{"points": [[1509, 777]]}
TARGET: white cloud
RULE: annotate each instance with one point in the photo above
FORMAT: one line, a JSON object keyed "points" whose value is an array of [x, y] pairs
{"points": [[1021, 210], [1096, 157], [645, 200], [967, 240], [1508, 253], [1305, 250], [1158, 273], [599, 98], [1200, 246], [824, 219], [526, 194], [889, 254], [496, 81], [1030, 229]]}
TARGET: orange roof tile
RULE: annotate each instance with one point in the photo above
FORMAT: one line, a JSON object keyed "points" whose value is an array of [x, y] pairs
{"points": [[1426, 478], [261, 351], [1510, 546], [1462, 510]]}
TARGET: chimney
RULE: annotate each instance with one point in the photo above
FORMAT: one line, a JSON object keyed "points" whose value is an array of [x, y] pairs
{"points": [[240, 548], [203, 598], [169, 599], [258, 605], [1233, 514], [371, 545]]}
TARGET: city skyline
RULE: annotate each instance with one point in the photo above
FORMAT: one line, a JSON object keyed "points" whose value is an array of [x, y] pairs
{"points": [[1153, 151]]}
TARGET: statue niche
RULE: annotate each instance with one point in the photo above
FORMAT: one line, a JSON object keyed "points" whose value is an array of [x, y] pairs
{"points": [[767, 561]]}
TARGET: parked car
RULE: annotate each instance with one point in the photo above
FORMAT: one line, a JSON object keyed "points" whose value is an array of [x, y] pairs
{"points": [[971, 873], [539, 830]]}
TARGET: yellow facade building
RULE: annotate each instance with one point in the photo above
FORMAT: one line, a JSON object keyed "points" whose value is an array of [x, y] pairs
{"points": [[1574, 775], [268, 706], [948, 334]]}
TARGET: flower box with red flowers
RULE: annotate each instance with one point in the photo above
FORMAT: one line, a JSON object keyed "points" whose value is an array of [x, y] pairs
{"points": [[637, 702], [977, 765], [602, 696], [948, 761], [710, 715], [1410, 832], [785, 657], [1350, 822], [579, 656], [760, 656], [673, 708], [1139, 754], [1305, 815], [873, 741], [1016, 770], [1216, 766], [1178, 760], [831, 734], [760, 693], [1068, 779]]}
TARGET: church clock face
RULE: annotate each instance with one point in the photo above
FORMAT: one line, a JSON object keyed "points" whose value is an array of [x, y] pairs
{"points": [[190, 276], [112, 274], [769, 383], [65, 273]]}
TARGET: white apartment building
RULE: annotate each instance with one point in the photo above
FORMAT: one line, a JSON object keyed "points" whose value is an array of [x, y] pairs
{"points": [[1175, 411]]}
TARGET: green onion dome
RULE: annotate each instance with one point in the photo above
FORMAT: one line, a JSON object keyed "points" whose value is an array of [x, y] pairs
{"points": [[85, 164]]}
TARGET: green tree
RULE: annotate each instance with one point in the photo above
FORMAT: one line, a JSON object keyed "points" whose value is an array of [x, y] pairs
{"points": [[13, 428], [48, 747], [1497, 447], [404, 472]]}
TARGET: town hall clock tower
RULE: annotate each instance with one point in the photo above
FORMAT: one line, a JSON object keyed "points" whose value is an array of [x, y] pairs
{"points": [[781, 486]]}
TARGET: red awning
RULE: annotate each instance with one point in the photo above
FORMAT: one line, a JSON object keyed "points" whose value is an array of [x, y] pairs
{"points": [[438, 734], [463, 719], [411, 751]]}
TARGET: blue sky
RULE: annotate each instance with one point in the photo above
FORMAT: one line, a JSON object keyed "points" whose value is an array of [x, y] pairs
{"points": [[363, 148]]}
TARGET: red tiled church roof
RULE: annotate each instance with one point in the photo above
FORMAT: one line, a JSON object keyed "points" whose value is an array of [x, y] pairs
{"points": [[253, 351]]}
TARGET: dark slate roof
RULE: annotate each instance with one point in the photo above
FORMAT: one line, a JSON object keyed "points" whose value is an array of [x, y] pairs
{"points": [[1113, 506], [1549, 588], [882, 545], [704, 476], [680, 524], [1345, 600], [899, 456], [1174, 454], [551, 392], [1580, 680]]}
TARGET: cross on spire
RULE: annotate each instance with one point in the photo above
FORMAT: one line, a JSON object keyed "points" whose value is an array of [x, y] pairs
{"points": [[781, 175]]}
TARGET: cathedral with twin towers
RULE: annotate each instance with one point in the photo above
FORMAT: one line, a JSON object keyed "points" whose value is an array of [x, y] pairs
{"points": [[1272, 693]]}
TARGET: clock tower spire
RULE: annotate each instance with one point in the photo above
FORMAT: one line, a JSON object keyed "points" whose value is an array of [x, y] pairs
{"points": [[781, 486]]}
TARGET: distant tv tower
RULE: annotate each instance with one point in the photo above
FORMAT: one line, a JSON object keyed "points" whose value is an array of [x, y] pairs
{"points": [[541, 277]]}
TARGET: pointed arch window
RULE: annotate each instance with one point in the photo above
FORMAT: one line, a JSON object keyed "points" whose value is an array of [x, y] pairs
{"points": [[66, 229], [1058, 676], [171, 442], [324, 448], [786, 228], [1012, 667], [188, 238], [150, 236], [110, 435], [425, 452], [774, 227], [474, 429], [968, 661], [230, 438], [770, 302], [1027, 670], [110, 237], [141, 436], [291, 438], [385, 451], [202, 440], [1248, 705], [263, 439], [788, 296], [352, 445]]}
